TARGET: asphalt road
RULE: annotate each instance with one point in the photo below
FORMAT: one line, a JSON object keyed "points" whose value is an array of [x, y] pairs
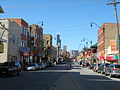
{"points": [[59, 78]]}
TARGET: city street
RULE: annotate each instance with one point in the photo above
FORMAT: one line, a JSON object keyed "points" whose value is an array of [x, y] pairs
{"points": [[59, 78]]}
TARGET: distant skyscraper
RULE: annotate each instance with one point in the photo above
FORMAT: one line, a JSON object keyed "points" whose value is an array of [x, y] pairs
{"points": [[64, 48], [58, 41], [73, 53]]}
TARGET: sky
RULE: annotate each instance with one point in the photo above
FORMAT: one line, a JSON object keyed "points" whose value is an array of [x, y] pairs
{"points": [[69, 18]]}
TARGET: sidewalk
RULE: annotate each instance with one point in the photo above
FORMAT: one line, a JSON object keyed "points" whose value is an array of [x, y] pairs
{"points": [[65, 82]]}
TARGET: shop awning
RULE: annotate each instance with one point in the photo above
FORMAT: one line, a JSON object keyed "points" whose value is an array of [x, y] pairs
{"points": [[101, 57], [115, 56], [111, 58], [39, 55], [2, 40], [24, 53], [24, 49]]}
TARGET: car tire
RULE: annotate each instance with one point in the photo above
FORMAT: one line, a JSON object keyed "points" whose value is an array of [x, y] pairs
{"points": [[111, 75], [106, 74]]}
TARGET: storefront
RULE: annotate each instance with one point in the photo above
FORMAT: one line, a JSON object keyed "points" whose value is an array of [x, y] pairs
{"points": [[24, 55]]}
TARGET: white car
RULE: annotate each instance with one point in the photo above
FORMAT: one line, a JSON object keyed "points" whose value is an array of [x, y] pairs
{"points": [[32, 66]]}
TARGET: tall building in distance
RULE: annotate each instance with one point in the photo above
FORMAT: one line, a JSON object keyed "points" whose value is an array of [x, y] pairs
{"points": [[58, 41], [64, 48], [73, 53]]}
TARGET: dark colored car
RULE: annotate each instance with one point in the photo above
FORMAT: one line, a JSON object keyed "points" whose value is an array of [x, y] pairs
{"points": [[102, 68], [113, 70], [95, 68], [91, 66], [10, 68]]}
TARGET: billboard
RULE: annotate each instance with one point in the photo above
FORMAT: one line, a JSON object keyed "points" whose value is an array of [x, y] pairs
{"points": [[113, 45]]}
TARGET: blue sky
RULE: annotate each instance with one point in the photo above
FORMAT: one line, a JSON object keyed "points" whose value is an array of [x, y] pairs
{"points": [[69, 18]]}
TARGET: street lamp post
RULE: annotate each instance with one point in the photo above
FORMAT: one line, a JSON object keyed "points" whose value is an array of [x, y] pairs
{"points": [[40, 22], [1, 10], [117, 26], [103, 37]]}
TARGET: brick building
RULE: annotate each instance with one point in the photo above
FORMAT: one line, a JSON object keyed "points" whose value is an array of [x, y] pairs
{"points": [[36, 42], [47, 47], [24, 49], [106, 33]]}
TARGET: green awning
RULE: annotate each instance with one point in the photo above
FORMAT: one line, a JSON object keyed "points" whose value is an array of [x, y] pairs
{"points": [[115, 57], [94, 46]]}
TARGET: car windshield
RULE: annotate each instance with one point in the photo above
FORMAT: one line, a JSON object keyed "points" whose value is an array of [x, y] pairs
{"points": [[32, 64], [107, 64], [9, 64], [99, 64]]}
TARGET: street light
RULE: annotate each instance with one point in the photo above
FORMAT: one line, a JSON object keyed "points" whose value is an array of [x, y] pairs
{"points": [[1, 10], [91, 24], [40, 22]]}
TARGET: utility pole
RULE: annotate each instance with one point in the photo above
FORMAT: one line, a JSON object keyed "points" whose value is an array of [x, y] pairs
{"points": [[117, 25]]}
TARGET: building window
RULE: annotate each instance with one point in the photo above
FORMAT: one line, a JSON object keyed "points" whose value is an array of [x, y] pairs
{"points": [[12, 38], [37, 36], [24, 30], [22, 44]]}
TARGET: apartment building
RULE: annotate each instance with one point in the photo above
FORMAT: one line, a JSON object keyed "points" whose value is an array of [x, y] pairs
{"points": [[106, 33], [12, 38], [47, 47], [24, 49], [36, 42], [54, 53]]}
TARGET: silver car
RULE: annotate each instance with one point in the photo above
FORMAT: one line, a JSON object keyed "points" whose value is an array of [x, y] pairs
{"points": [[113, 70], [32, 66]]}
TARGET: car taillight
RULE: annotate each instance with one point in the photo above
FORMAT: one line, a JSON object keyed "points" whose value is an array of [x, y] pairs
{"points": [[114, 69]]}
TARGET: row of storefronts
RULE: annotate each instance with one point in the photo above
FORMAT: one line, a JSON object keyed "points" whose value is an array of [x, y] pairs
{"points": [[106, 49], [24, 42]]}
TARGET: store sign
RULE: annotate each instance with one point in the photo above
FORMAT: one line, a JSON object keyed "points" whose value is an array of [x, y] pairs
{"points": [[1, 47], [113, 45]]}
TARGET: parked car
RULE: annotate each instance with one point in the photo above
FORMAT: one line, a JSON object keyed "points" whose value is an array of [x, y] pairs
{"points": [[102, 68], [32, 66], [113, 70], [45, 64], [95, 68], [10, 68], [50, 64], [91, 66], [41, 65]]}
